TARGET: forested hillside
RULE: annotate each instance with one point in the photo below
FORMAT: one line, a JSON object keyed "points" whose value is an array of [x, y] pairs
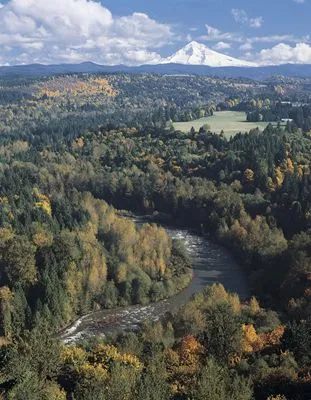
{"points": [[73, 151], [64, 106], [252, 193]]}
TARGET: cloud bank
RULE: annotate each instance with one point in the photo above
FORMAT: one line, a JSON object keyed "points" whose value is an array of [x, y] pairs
{"points": [[76, 31], [297, 52], [285, 54]]}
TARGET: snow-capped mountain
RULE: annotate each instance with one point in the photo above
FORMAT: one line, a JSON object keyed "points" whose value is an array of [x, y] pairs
{"points": [[196, 53]]}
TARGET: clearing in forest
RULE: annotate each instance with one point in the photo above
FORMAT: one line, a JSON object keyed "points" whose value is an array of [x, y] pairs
{"points": [[231, 122]]}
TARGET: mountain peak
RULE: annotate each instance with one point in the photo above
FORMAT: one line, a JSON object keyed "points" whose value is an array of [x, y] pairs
{"points": [[194, 44], [195, 53]]}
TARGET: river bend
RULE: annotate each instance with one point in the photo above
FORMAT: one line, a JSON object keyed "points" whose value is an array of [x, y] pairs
{"points": [[211, 263]]}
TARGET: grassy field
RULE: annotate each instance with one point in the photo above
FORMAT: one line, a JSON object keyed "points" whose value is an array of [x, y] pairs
{"points": [[231, 122]]}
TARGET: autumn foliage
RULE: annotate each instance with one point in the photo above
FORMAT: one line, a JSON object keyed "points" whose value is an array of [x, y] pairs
{"points": [[74, 86]]}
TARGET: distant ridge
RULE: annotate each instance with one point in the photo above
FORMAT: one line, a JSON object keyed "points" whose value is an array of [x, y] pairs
{"points": [[193, 59], [39, 70]]}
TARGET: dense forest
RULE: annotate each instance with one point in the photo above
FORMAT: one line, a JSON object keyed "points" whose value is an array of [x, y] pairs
{"points": [[214, 348], [73, 151], [62, 107], [67, 253]]}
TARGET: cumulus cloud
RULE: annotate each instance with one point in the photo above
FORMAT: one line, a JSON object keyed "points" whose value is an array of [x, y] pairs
{"points": [[285, 54], [75, 31], [240, 16]]}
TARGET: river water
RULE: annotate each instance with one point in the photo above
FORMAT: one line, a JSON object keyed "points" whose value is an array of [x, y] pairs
{"points": [[211, 263]]}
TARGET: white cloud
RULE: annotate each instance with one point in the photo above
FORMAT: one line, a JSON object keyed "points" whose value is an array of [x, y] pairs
{"points": [[75, 31], [246, 46], [240, 16], [274, 39], [250, 57], [256, 22], [299, 52], [299, 1], [285, 54], [214, 35], [222, 46]]}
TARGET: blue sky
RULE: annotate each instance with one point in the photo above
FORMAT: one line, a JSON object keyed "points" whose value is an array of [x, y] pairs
{"points": [[279, 17], [144, 31]]}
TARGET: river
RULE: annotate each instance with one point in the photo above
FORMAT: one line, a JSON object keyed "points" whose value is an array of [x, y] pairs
{"points": [[211, 263]]}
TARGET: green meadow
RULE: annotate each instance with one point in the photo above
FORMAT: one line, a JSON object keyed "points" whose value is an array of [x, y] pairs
{"points": [[231, 122]]}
